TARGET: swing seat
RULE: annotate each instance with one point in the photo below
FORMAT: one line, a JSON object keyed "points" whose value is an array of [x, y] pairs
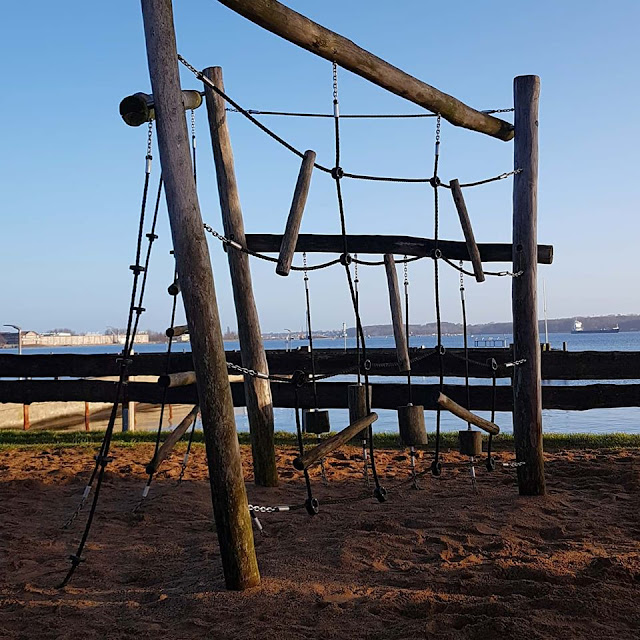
{"points": [[470, 442], [316, 421], [413, 431]]}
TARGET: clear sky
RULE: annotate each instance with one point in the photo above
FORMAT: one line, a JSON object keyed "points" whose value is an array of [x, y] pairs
{"points": [[71, 171]]}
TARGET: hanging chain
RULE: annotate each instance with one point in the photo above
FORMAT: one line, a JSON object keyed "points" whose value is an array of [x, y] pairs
{"points": [[193, 145]]}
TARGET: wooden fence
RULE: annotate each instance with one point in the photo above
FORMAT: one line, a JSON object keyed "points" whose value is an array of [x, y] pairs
{"points": [[70, 377]]}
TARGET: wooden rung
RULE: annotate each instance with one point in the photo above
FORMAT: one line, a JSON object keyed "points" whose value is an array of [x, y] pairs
{"points": [[331, 444], [290, 237], [466, 415], [140, 107], [180, 330], [465, 222], [172, 440], [399, 333], [398, 245], [181, 379]]}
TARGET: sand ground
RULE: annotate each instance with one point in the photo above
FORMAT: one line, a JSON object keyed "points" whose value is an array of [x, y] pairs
{"points": [[442, 562]]}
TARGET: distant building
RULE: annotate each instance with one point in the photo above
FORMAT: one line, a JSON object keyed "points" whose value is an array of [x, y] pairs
{"points": [[63, 339]]}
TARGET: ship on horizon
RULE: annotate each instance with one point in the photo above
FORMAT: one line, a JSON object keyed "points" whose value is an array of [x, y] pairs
{"points": [[578, 328]]}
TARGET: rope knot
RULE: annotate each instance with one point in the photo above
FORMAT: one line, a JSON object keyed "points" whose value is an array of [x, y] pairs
{"points": [[299, 378]]}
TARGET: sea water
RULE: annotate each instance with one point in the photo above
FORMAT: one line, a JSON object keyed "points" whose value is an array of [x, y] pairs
{"points": [[625, 419]]}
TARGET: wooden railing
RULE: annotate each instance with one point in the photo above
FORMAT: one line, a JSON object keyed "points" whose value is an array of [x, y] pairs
{"points": [[77, 372]]}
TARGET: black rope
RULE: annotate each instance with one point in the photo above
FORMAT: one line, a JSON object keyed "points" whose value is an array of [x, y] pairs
{"points": [[466, 345], [435, 183], [309, 331], [406, 320], [248, 114], [102, 459], [337, 174], [259, 112], [307, 479]]}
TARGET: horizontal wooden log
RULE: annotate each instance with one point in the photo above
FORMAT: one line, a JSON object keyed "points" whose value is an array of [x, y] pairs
{"points": [[182, 379], [309, 35], [331, 444], [397, 245], [331, 395], [171, 441], [140, 108], [453, 407], [179, 330], [556, 365]]}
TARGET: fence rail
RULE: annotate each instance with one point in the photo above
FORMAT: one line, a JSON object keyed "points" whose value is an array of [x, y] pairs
{"points": [[556, 365]]}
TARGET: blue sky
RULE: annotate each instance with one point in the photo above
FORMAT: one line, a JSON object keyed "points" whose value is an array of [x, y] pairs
{"points": [[71, 172]]}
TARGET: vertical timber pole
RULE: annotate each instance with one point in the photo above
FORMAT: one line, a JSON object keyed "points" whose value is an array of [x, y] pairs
{"points": [[527, 389], [232, 518], [257, 390]]}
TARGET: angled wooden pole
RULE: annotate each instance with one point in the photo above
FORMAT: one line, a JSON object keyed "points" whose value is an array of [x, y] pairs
{"points": [[527, 389], [309, 35], [467, 230], [233, 521], [399, 334], [290, 236], [257, 390]]}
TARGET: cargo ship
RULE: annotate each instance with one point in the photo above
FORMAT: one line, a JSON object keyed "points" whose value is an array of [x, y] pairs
{"points": [[578, 328]]}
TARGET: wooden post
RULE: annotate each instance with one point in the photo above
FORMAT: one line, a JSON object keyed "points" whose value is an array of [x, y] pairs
{"points": [[527, 391], [467, 229], [296, 28], [290, 236], [404, 364], [229, 496], [257, 390], [87, 417], [26, 421]]}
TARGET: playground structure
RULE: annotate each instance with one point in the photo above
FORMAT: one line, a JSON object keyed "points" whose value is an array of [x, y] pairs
{"points": [[194, 278]]}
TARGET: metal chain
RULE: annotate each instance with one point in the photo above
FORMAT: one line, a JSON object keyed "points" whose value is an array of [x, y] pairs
{"points": [[232, 243]]}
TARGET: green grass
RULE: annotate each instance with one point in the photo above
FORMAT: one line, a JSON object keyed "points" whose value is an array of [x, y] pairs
{"points": [[449, 440]]}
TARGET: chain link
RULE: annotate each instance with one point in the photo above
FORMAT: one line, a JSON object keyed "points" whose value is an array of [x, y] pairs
{"points": [[253, 508]]}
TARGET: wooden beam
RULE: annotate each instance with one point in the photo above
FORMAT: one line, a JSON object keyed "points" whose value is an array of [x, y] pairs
{"points": [[332, 395], [331, 444], [171, 441], [464, 414], [290, 237], [228, 492], [309, 35], [527, 394], [467, 230], [140, 108], [399, 334], [397, 245], [258, 390], [556, 365]]}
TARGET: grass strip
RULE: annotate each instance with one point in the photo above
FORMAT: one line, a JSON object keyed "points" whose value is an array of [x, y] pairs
{"points": [[552, 441]]}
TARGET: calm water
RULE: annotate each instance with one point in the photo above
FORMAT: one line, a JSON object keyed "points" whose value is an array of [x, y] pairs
{"points": [[592, 421]]}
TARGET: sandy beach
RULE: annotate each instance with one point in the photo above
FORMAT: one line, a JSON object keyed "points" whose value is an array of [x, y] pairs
{"points": [[442, 562]]}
